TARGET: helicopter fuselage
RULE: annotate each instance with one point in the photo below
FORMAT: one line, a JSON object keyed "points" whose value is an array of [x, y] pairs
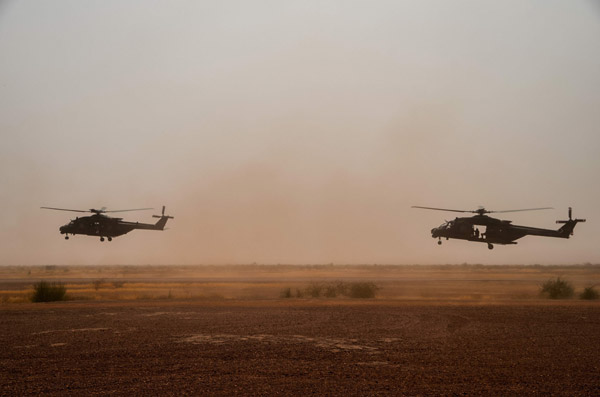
{"points": [[497, 231], [105, 226], [102, 226]]}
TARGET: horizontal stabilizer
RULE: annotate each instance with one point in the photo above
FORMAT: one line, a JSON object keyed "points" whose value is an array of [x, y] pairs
{"points": [[163, 214], [571, 218]]}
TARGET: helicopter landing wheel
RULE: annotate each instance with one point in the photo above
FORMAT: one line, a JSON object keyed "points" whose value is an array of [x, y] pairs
{"points": [[490, 246], [109, 238], [440, 242], [101, 238], [66, 237]]}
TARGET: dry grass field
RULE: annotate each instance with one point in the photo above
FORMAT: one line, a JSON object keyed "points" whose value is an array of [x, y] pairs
{"points": [[226, 330], [446, 282]]}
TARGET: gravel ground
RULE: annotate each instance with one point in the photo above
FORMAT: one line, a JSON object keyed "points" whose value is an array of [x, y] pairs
{"points": [[300, 347]]}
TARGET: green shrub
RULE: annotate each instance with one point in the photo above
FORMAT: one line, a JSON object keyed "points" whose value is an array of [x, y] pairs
{"points": [[46, 292], [557, 289], [589, 293]]}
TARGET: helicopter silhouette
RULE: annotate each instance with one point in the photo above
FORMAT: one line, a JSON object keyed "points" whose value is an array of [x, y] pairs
{"points": [[105, 226], [497, 231]]}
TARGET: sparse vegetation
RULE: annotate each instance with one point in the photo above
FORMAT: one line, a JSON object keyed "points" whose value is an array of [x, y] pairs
{"points": [[117, 283], [314, 290], [48, 292], [557, 289], [98, 283], [357, 290], [330, 291], [589, 293], [363, 290]]}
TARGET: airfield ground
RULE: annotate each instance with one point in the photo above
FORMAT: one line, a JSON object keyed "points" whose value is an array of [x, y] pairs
{"points": [[458, 330]]}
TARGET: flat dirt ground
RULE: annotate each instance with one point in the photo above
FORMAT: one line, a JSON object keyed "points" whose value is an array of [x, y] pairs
{"points": [[470, 338]]}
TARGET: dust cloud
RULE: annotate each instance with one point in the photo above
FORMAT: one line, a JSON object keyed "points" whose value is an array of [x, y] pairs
{"points": [[297, 133]]}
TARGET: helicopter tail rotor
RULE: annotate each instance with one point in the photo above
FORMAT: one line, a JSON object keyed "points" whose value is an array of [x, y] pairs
{"points": [[160, 225], [162, 215], [570, 216], [569, 225]]}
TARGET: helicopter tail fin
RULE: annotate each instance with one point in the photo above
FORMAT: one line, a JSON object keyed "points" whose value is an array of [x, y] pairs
{"points": [[567, 228], [160, 224]]}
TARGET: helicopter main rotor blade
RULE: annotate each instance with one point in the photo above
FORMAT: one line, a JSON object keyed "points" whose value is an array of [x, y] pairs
{"points": [[526, 209], [62, 209], [135, 209], [438, 209]]}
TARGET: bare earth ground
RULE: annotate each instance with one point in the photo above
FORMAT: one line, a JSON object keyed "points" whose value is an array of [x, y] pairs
{"points": [[474, 343]]}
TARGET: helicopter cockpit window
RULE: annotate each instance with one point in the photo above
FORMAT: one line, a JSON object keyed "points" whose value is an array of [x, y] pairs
{"points": [[446, 225]]}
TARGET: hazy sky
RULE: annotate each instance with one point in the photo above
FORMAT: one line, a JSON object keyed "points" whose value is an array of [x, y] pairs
{"points": [[298, 131]]}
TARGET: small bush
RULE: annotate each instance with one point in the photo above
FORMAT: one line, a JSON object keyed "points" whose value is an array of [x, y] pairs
{"points": [[342, 288], [557, 289], [117, 284], [314, 290], [589, 293], [362, 290], [98, 283], [46, 292], [330, 291]]}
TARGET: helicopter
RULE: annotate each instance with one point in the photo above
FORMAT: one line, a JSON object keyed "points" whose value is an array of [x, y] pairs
{"points": [[105, 226], [497, 231]]}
